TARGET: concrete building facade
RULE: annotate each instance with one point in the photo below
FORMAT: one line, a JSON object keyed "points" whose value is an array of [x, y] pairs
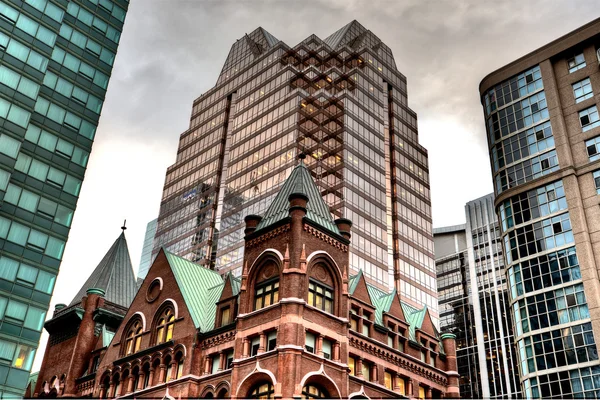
{"points": [[543, 127], [340, 100], [56, 58]]}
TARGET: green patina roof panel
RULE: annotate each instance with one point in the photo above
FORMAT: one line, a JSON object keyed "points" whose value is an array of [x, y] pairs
{"points": [[200, 288], [300, 181]]}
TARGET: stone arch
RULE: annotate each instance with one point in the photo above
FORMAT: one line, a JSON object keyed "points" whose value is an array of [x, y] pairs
{"points": [[136, 319], [323, 270], [223, 390], [323, 380], [359, 395], [173, 304], [143, 318], [180, 347], [256, 376], [165, 306], [209, 390]]}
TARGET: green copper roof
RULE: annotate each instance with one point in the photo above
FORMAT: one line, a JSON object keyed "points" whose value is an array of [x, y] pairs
{"points": [[107, 336], [299, 182], [200, 288]]}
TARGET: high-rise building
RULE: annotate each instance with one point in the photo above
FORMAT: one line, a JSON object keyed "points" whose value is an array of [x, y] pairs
{"points": [[543, 130], [56, 60], [342, 102], [456, 309], [473, 297], [146, 258]]}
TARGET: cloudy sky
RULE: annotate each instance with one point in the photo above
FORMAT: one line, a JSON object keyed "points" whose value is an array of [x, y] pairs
{"points": [[171, 51]]}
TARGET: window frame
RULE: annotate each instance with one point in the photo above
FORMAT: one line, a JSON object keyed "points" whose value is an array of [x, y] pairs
{"points": [[273, 293], [165, 326], [313, 294]]}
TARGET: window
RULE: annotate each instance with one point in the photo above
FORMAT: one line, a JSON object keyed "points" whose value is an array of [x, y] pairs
{"points": [[254, 345], [354, 323], [421, 392], [432, 360], [228, 359], [225, 316], [366, 370], [582, 90], [314, 392], [387, 380], [593, 148], [134, 338], [576, 63], [320, 296], [390, 340], [589, 118], [310, 343], [262, 391], [352, 365], [401, 344], [164, 329], [424, 355], [327, 349], [596, 176], [216, 361], [365, 329], [266, 293], [402, 386], [271, 340]]}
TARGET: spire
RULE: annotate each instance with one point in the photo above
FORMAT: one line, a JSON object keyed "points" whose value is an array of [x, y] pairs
{"points": [[300, 182], [114, 274]]}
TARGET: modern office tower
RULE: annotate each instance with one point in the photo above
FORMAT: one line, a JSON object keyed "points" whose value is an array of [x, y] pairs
{"points": [[146, 258], [543, 131], [474, 304], [489, 292], [56, 60], [456, 309], [342, 102]]}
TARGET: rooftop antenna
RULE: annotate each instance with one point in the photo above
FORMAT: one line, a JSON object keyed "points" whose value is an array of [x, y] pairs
{"points": [[124, 227]]}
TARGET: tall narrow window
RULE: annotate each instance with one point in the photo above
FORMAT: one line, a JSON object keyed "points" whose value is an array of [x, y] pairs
{"points": [[387, 380], [134, 338], [272, 340], [309, 344], [225, 316], [164, 328], [352, 365], [266, 293], [320, 296]]}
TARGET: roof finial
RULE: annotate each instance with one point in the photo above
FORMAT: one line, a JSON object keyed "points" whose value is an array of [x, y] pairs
{"points": [[301, 158], [124, 227]]}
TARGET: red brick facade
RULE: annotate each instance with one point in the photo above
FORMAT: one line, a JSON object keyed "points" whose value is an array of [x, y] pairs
{"points": [[296, 323]]}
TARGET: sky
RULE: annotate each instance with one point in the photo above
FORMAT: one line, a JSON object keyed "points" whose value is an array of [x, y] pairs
{"points": [[171, 51]]}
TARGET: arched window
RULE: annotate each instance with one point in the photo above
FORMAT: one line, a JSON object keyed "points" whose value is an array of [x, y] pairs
{"points": [[146, 371], [134, 338], [169, 365], [314, 392], [223, 394], [266, 285], [263, 390], [179, 360], [164, 327], [136, 379], [105, 386]]}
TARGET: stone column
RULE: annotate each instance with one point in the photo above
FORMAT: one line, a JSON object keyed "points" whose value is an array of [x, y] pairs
{"points": [[358, 367], [111, 390], [173, 370], [319, 346], [118, 389], [449, 343], [206, 365], [428, 393], [140, 385], [408, 385], [162, 373], [245, 348], [221, 361], [262, 344], [130, 384], [151, 376], [374, 373], [103, 392], [336, 351]]}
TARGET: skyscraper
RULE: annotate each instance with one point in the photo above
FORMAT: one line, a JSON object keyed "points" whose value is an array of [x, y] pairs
{"points": [[543, 128], [341, 101], [146, 258], [474, 305], [56, 60]]}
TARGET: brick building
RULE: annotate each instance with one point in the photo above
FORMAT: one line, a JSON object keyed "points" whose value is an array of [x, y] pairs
{"points": [[295, 324]]}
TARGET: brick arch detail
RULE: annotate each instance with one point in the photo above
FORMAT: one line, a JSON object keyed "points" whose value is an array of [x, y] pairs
{"points": [[257, 375], [325, 259], [208, 389], [143, 318], [360, 394], [223, 385], [321, 378], [267, 255]]}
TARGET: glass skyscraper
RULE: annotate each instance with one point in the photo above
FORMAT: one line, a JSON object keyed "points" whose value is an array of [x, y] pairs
{"points": [[342, 102], [543, 128], [56, 60], [146, 258]]}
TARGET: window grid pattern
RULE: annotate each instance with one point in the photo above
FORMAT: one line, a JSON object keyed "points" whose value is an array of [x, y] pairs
{"points": [[513, 89], [589, 118], [522, 145], [582, 90], [593, 148], [526, 171], [576, 62]]}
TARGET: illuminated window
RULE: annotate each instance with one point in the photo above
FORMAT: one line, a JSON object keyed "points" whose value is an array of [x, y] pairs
{"points": [[262, 391], [421, 392], [320, 296], [225, 316], [387, 380], [351, 365], [164, 329], [366, 370], [314, 392], [134, 338], [266, 294], [402, 386], [354, 323]]}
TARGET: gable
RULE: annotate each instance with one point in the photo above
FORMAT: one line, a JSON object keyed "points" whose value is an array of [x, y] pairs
{"points": [[427, 324], [360, 290], [395, 308]]}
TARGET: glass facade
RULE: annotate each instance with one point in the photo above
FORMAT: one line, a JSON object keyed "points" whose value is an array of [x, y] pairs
{"points": [[556, 352], [146, 258], [342, 102], [56, 59]]}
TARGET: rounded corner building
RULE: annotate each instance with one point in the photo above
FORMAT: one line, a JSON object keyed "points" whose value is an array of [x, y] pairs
{"points": [[543, 131]]}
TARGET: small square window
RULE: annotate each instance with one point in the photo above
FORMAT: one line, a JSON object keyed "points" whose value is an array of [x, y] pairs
{"points": [[545, 164], [584, 120], [576, 63]]}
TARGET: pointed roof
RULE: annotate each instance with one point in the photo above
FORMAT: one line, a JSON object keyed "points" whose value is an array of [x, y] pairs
{"points": [[200, 287], [114, 274], [300, 181]]}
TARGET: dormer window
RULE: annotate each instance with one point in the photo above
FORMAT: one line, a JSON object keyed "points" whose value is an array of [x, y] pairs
{"points": [[164, 328], [266, 293], [225, 316]]}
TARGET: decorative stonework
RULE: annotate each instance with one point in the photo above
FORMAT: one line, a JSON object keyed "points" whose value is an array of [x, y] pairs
{"points": [[267, 236], [326, 238], [396, 360], [217, 340]]}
